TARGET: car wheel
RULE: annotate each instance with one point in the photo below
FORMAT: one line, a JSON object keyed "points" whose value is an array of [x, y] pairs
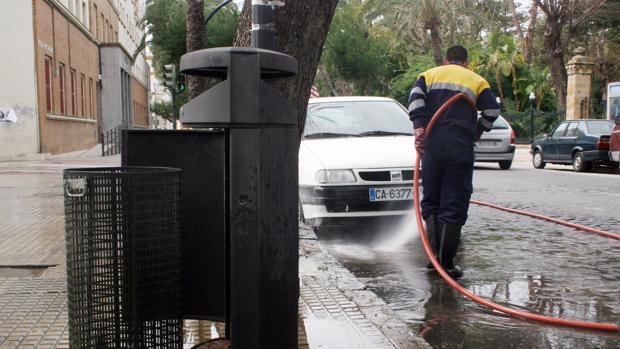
{"points": [[537, 160], [579, 164], [505, 164]]}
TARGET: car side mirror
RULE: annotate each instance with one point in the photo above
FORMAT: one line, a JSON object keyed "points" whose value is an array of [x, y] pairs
{"points": [[546, 135]]}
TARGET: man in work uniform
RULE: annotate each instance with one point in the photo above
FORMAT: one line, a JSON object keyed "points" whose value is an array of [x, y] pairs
{"points": [[448, 152]]}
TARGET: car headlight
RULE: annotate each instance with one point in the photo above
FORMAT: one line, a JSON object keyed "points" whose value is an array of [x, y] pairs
{"points": [[335, 176]]}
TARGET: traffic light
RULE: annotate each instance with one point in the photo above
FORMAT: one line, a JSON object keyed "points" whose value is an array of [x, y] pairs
{"points": [[170, 75], [181, 84]]}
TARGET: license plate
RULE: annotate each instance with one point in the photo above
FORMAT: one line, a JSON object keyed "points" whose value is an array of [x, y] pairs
{"points": [[485, 144], [390, 194]]}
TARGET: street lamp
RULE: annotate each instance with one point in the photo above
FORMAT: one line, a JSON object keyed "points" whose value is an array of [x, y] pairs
{"points": [[532, 98]]}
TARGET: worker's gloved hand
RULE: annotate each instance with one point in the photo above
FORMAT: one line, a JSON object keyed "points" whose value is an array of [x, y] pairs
{"points": [[420, 140]]}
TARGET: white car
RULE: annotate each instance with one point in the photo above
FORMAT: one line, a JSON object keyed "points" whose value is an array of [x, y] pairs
{"points": [[356, 160], [497, 145]]}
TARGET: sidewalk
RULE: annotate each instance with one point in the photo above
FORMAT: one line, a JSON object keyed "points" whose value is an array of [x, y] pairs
{"points": [[336, 310]]}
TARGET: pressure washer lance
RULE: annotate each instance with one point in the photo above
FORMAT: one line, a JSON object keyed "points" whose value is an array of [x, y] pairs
{"points": [[469, 294]]}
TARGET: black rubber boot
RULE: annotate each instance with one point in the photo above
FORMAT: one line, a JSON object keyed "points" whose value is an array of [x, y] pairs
{"points": [[433, 231], [450, 239]]}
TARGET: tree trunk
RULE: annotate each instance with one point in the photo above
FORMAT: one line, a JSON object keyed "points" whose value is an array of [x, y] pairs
{"points": [[555, 57], [602, 63], [498, 79], [324, 74], [563, 16], [529, 39], [515, 19], [515, 90], [195, 41], [301, 30], [436, 45]]}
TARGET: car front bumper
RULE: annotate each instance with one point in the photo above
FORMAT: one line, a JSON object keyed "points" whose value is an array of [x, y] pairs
{"points": [[496, 156], [324, 203]]}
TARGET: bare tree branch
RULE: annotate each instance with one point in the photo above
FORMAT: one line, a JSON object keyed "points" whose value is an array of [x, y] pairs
{"points": [[594, 6]]}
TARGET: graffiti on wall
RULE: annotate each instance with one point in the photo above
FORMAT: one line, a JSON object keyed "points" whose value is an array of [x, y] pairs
{"points": [[7, 115]]}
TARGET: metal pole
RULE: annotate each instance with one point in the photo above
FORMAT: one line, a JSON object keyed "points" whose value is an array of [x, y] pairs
{"points": [[175, 112], [531, 121], [263, 25]]}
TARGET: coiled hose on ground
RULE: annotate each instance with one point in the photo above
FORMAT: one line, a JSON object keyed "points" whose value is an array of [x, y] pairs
{"points": [[469, 294]]}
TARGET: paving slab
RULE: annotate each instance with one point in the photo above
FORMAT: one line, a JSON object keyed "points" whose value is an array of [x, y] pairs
{"points": [[336, 310]]}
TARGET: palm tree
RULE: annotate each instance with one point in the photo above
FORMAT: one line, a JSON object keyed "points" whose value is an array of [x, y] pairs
{"points": [[531, 26], [540, 85], [414, 20], [195, 41], [503, 60]]}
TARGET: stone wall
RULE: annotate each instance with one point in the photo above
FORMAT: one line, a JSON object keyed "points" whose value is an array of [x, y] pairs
{"points": [[579, 87]]}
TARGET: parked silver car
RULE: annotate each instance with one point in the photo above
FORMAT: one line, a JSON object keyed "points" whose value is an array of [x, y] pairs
{"points": [[497, 145]]}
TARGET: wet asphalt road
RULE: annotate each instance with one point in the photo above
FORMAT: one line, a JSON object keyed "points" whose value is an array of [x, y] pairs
{"points": [[517, 261]]}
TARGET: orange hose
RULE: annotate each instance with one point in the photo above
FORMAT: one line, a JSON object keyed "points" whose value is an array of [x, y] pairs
{"points": [[549, 219], [454, 284]]}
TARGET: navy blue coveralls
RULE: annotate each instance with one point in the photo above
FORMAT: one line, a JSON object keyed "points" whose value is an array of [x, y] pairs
{"points": [[448, 162]]}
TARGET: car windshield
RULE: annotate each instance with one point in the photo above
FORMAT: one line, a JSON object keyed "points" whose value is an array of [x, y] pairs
{"points": [[356, 118], [600, 127], [500, 124]]}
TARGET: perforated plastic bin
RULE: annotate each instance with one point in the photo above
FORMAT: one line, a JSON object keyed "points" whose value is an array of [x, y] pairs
{"points": [[123, 257]]}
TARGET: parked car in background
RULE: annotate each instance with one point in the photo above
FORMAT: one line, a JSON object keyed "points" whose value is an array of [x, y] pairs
{"points": [[614, 143], [613, 113], [355, 160], [497, 145], [582, 143]]}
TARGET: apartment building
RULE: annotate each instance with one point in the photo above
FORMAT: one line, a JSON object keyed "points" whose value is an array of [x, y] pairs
{"points": [[125, 72], [52, 80]]}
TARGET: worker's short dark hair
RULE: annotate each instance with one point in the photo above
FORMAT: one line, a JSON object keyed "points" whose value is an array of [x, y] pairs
{"points": [[457, 54]]}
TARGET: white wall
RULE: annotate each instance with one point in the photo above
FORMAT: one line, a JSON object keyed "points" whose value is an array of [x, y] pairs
{"points": [[17, 81]]}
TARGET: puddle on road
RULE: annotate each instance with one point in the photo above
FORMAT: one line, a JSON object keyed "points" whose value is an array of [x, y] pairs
{"points": [[539, 267], [22, 271]]}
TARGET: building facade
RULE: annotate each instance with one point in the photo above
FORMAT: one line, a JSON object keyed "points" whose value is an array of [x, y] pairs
{"points": [[52, 80], [159, 94], [125, 72], [67, 73]]}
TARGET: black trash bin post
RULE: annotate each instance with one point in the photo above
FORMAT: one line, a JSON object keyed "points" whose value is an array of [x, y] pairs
{"points": [[262, 188], [123, 257]]}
